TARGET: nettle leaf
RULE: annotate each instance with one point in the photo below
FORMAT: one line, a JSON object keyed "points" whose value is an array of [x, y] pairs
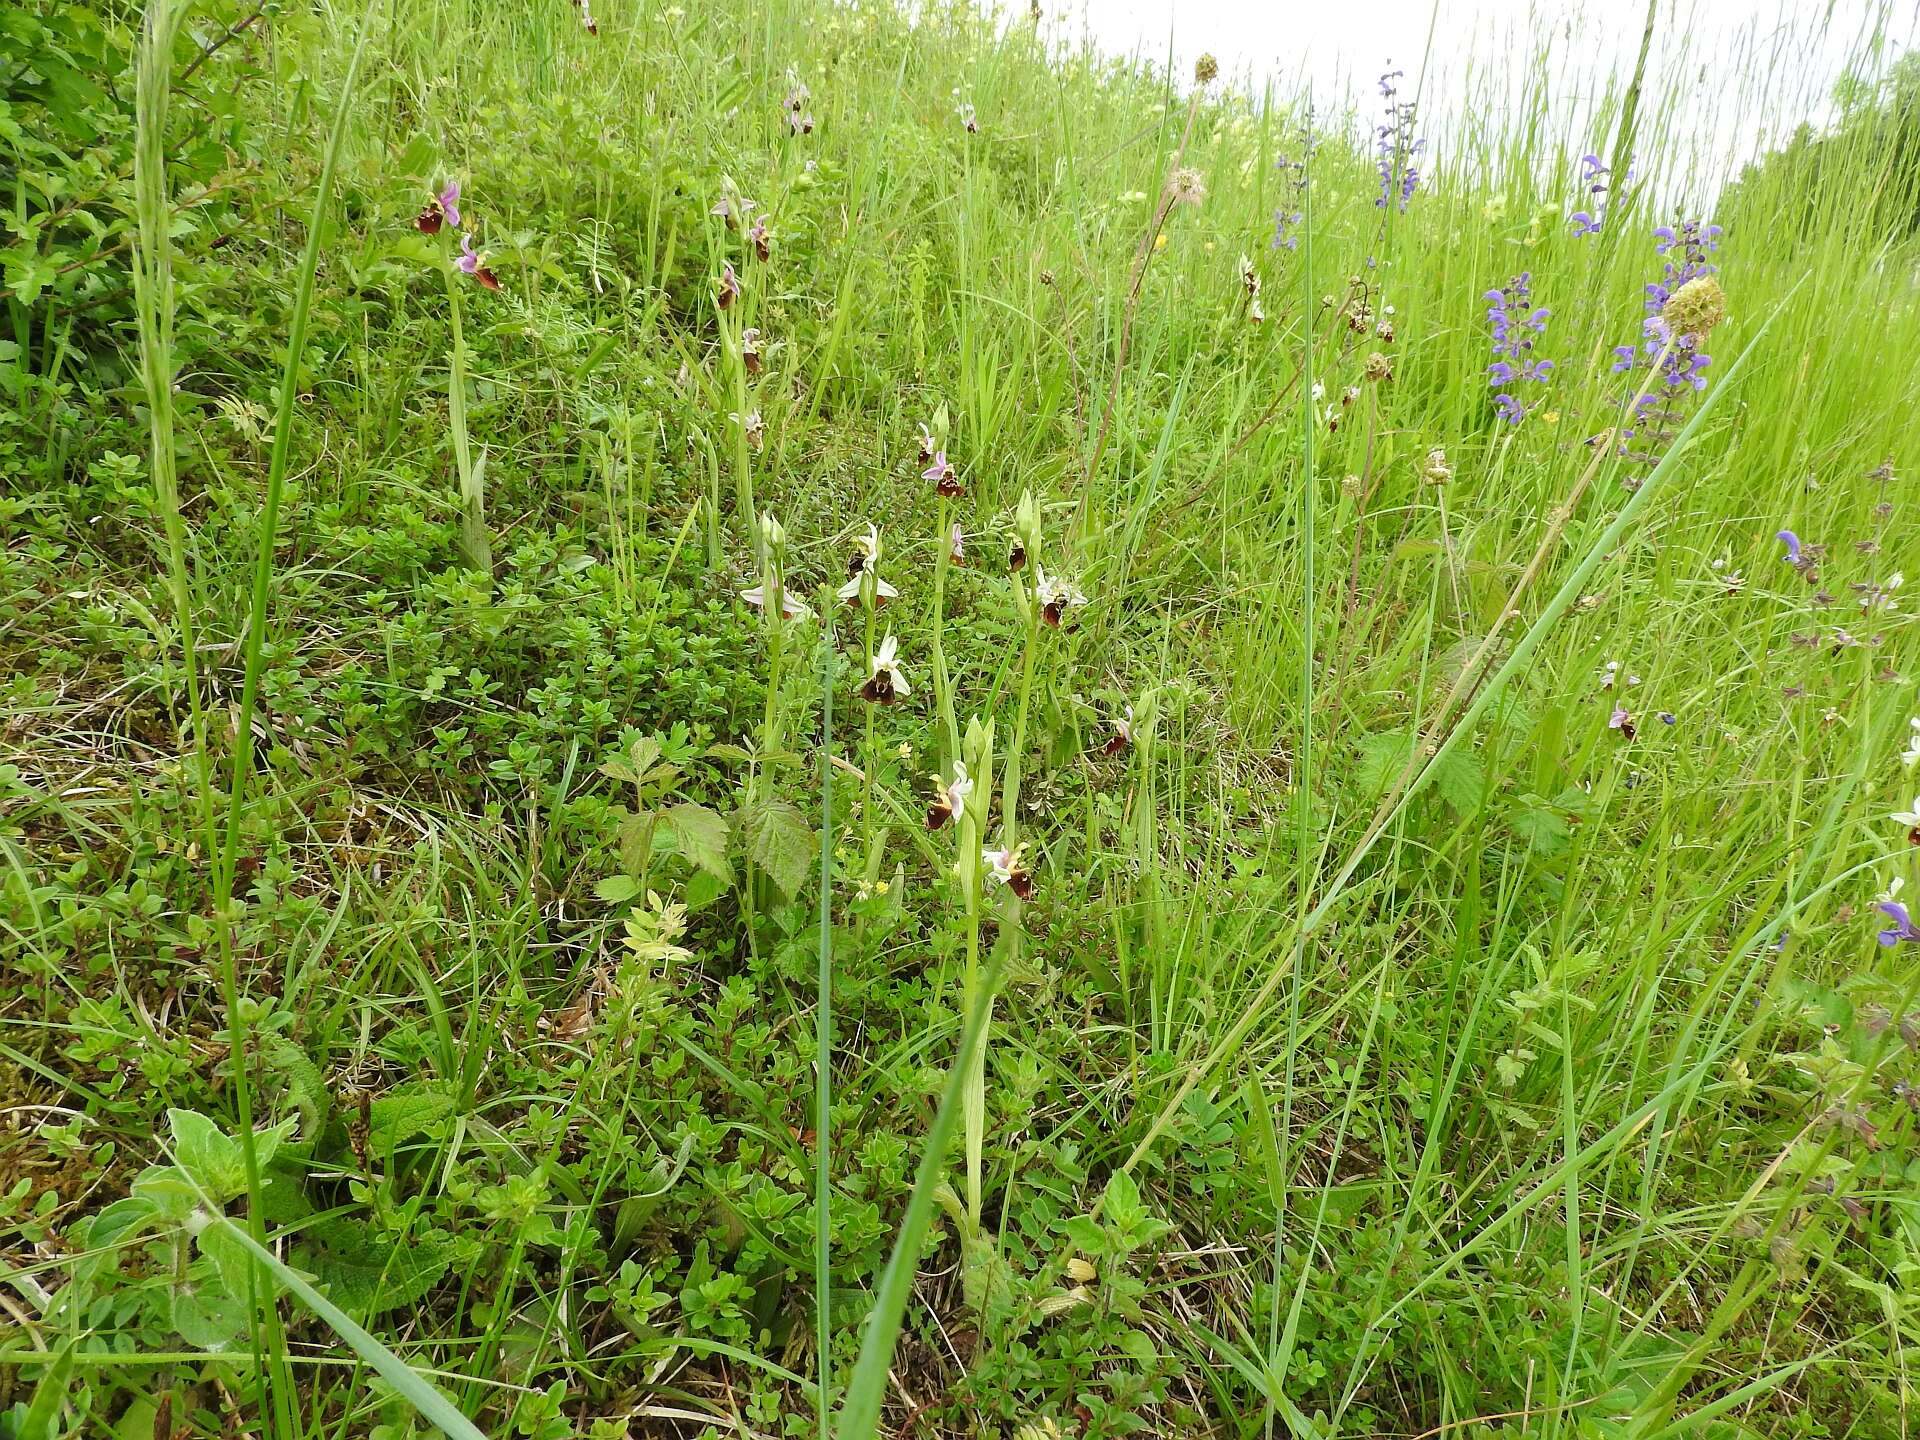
{"points": [[1382, 759], [1542, 827], [396, 1118], [700, 835], [634, 765], [1461, 780], [365, 1273], [305, 1087], [778, 839], [701, 890]]}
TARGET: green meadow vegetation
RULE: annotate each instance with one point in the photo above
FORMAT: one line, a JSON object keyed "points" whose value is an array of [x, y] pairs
{"points": [[781, 719]]}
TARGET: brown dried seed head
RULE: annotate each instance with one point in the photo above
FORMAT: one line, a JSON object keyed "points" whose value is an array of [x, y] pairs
{"points": [[1206, 69]]}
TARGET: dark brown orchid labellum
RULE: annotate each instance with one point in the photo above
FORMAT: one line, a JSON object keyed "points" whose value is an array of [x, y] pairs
{"points": [[879, 689], [1016, 558]]}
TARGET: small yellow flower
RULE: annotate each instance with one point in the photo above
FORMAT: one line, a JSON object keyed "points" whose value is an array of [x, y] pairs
{"points": [[906, 750], [1552, 417], [1160, 242]]}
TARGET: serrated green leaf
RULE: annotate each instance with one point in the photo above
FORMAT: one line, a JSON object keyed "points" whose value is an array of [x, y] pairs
{"points": [[777, 838], [394, 1119], [167, 1189], [700, 835], [1383, 757], [1461, 780], [214, 1158], [306, 1088], [364, 1273], [636, 840]]}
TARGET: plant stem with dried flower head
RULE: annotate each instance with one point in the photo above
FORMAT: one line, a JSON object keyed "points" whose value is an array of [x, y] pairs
{"points": [[154, 312], [823, 1038], [226, 860], [1160, 211]]}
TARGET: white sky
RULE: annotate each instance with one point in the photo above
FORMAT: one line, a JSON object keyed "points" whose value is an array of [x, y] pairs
{"points": [[1745, 71]]}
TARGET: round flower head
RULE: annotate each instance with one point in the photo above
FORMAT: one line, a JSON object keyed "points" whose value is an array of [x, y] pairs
{"points": [[1186, 186], [886, 683], [1206, 70], [1435, 470], [1695, 308]]}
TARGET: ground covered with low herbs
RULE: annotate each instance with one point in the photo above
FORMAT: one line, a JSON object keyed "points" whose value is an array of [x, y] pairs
{"points": [[1315, 722]]}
